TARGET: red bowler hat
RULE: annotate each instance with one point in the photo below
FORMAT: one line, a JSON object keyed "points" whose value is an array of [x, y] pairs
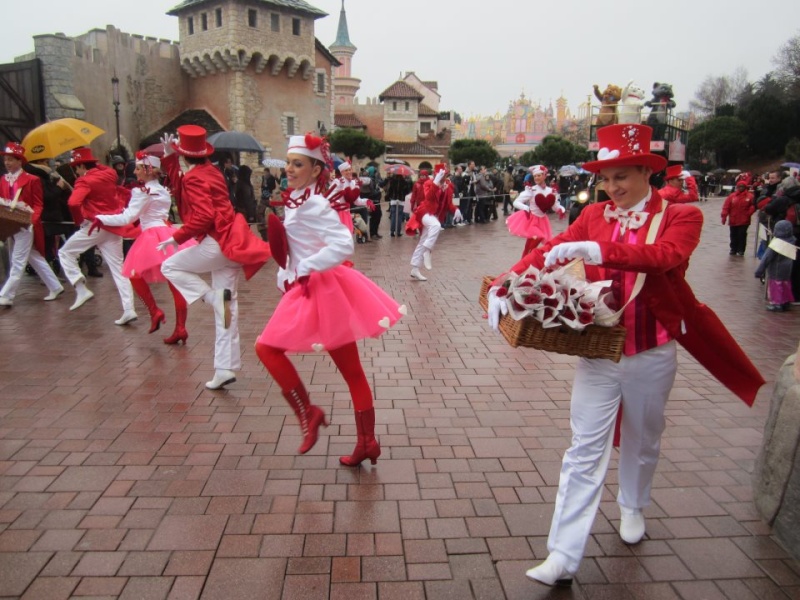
{"points": [[673, 172], [624, 146], [15, 150], [192, 142], [80, 156]]}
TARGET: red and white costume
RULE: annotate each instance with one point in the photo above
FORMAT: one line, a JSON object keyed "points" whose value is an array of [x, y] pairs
{"points": [[531, 221], [96, 193], [328, 306], [665, 311], [28, 242], [226, 246], [428, 216], [676, 195], [343, 194]]}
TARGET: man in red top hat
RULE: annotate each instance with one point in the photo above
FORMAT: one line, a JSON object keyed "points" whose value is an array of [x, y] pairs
{"points": [[640, 243], [226, 245], [28, 242], [437, 200], [95, 193], [673, 186]]}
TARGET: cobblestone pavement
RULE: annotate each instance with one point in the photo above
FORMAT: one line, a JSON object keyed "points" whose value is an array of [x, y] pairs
{"points": [[123, 477]]}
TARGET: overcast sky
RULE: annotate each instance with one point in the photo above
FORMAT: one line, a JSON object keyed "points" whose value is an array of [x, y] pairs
{"points": [[484, 54]]}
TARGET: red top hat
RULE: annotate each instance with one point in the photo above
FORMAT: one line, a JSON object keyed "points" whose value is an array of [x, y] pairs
{"points": [[624, 146], [15, 150], [192, 142], [440, 167], [673, 172], [80, 156]]}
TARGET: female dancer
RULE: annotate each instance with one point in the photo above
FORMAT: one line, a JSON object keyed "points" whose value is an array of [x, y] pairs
{"points": [[531, 222], [150, 203], [326, 305]]}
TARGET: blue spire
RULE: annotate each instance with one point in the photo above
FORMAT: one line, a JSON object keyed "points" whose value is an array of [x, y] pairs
{"points": [[342, 37]]}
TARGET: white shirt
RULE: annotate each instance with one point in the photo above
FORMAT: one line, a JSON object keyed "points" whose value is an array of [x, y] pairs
{"points": [[151, 206]]}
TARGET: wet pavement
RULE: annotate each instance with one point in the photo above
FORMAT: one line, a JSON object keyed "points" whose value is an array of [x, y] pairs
{"points": [[121, 476]]}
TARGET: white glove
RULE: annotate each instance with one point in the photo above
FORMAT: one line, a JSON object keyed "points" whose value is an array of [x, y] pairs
{"points": [[685, 174], [168, 139], [497, 306], [457, 216], [439, 177], [164, 246], [588, 251], [284, 276]]}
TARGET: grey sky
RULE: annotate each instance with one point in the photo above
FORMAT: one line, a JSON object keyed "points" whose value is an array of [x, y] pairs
{"points": [[483, 54]]}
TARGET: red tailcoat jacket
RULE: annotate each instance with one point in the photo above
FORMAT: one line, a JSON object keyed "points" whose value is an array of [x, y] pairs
{"points": [[665, 292], [96, 193], [206, 210], [677, 195], [437, 201], [33, 196]]}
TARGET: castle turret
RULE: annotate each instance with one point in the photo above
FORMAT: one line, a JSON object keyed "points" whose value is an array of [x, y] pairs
{"points": [[345, 86]]}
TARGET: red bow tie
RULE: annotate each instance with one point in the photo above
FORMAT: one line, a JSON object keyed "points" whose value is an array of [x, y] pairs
{"points": [[628, 219]]}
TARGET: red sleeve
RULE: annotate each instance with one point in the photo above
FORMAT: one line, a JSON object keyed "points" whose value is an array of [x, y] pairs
{"points": [[726, 208], [690, 195], [80, 190], [171, 166]]}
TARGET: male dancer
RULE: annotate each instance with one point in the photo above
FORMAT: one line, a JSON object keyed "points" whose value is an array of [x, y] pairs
{"points": [[438, 200], [226, 245]]}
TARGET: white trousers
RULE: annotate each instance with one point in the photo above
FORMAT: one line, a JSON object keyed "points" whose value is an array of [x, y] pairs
{"points": [[431, 228], [642, 383], [22, 254], [110, 247], [183, 268]]}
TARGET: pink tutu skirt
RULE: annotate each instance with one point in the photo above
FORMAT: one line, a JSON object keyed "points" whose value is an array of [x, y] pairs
{"points": [[347, 219], [144, 259], [527, 225], [343, 307]]}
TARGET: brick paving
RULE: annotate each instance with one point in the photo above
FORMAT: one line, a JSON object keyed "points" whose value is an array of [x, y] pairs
{"points": [[123, 477]]}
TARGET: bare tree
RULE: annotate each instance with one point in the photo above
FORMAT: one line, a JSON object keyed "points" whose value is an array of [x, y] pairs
{"points": [[719, 91], [787, 61]]}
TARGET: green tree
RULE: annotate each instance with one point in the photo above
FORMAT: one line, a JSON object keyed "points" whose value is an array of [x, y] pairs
{"points": [[555, 151], [354, 142], [725, 137], [481, 151]]}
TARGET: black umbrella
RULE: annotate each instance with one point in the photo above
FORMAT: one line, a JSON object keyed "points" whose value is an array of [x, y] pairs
{"points": [[235, 140]]}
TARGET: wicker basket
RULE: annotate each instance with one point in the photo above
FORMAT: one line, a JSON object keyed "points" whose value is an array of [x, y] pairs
{"points": [[593, 342], [11, 221]]}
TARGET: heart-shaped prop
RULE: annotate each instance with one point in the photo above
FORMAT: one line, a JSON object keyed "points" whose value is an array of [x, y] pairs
{"points": [[317, 347], [544, 203], [606, 154], [402, 309], [384, 322]]}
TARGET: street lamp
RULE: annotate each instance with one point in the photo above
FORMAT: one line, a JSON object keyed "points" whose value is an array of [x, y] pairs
{"points": [[115, 101]]}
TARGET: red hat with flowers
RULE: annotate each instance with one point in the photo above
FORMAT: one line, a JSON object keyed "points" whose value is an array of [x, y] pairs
{"points": [[15, 150], [625, 145], [192, 142], [80, 156]]}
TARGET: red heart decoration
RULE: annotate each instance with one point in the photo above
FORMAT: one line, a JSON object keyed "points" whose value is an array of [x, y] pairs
{"points": [[544, 203]]}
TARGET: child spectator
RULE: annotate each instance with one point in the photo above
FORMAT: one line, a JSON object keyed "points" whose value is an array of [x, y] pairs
{"points": [[777, 264]]}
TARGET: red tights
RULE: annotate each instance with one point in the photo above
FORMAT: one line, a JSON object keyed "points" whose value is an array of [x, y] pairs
{"points": [[345, 358]]}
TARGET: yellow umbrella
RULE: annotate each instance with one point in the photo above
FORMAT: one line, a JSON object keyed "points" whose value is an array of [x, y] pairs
{"points": [[56, 137]]}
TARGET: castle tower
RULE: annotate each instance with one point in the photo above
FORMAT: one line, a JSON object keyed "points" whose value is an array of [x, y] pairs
{"points": [[561, 111], [345, 86]]}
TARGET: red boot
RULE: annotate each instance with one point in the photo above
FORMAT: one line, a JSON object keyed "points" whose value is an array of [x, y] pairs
{"points": [[309, 416], [366, 446], [142, 290], [181, 311]]}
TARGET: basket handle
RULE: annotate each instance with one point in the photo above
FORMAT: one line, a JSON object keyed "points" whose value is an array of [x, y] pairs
{"points": [[639, 283], [13, 204]]}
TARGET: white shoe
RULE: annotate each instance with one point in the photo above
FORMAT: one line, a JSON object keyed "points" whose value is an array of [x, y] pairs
{"points": [[550, 572], [54, 294], [426, 259], [6, 301], [220, 301], [631, 525], [84, 294], [126, 318], [222, 378], [415, 274]]}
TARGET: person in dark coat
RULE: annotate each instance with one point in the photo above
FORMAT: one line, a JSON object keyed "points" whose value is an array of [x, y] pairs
{"points": [[245, 198]]}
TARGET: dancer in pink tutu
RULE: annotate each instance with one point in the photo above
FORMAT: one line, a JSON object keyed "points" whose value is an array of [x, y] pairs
{"points": [[344, 193], [150, 203], [531, 221], [327, 305]]}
